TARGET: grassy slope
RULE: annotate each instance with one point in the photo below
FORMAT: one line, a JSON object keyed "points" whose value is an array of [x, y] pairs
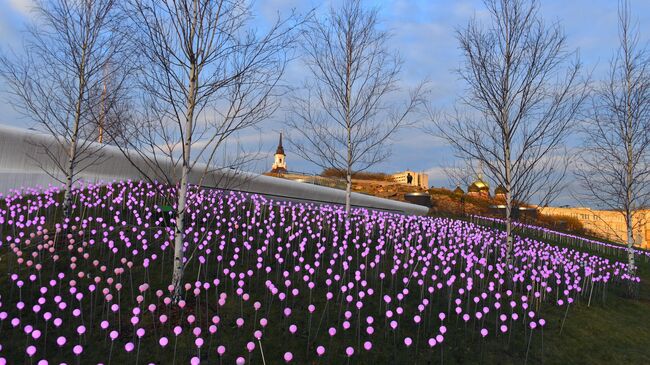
{"points": [[617, 331], [614, 332]]}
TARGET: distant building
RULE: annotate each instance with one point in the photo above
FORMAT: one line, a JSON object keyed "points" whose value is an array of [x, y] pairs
{"points": [[479, 188], [280, 162], [606, 223], [500, 193], [413, 178]]}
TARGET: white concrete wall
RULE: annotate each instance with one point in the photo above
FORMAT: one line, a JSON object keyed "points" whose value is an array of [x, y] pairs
{"points": [[20, 159], [420, 179]]}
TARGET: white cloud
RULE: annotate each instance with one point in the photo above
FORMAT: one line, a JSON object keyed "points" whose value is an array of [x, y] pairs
{"points": [[22, 7]]}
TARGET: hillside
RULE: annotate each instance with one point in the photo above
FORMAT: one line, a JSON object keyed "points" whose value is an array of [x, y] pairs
{"points": [[383, 189], [277, 282], [446, 203]]}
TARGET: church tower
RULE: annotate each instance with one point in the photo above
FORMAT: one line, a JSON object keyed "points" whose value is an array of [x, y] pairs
{"points": [[280, 163]]}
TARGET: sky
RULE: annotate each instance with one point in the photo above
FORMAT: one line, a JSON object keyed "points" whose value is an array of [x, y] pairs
{"points": [[423, 33]]}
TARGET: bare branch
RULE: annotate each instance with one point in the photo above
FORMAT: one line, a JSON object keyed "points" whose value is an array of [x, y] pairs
{"points": [[614, 168], [343, 117], [520, 103]]}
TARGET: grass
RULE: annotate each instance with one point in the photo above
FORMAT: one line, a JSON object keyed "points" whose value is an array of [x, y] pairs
{"points": [[616, 331], [613, 330]]}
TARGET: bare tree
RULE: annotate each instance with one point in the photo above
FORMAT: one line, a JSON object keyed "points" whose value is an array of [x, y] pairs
{"points": [[205, 76], [614, 168], [65, 58], [520, 101], [345, 119]]}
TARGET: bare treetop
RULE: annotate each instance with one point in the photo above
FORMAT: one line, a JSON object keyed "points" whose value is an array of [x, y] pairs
{"points": [[520, 95], [73, 49], [344, 117], [205, 75], [523, 94], [206, 54], [614, 168]]}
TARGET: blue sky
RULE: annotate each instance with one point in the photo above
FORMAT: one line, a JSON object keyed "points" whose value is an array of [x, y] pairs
{"points": [[423, 33]]}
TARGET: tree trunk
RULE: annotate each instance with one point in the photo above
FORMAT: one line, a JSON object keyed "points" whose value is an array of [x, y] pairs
{"points": [[509, 204], [509, 240], [507, 139], [348, 192], [348, 175], [348, 121], [179, 234], [72, 152], [179, 230], [630, 205], [67, 197], [631, 266]]}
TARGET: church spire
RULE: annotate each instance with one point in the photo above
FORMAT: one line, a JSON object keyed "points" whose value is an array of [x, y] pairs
{"points": [[280, 164], [280, 150]]}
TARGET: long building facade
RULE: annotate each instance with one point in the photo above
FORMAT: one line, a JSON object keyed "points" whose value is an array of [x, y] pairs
{"points": [[413, 178], [606, 223]]}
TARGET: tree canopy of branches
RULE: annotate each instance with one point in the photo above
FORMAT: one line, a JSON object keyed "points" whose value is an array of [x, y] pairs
{"points": [[72, 50], [520, 103], [205, 76], [614, 170], [345, 118]]}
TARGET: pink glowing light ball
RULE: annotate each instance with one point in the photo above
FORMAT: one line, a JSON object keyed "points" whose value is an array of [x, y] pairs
{"points": [[288, 356]]}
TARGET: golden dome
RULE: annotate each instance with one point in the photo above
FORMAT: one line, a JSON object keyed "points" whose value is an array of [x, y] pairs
{"points": [[480, 185]]}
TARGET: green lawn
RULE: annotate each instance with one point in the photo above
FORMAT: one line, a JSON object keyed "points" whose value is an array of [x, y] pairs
{"points": [[613, 330]]}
